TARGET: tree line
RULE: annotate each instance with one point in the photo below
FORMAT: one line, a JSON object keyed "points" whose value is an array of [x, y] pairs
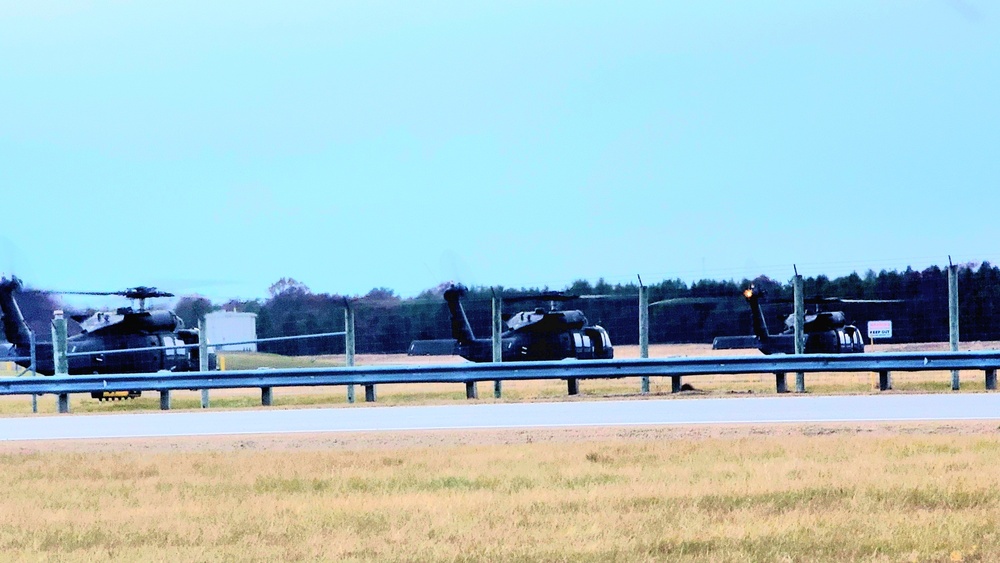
{"points": [[387, 323]]}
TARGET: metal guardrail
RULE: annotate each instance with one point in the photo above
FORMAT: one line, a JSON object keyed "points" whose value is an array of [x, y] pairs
{"points": [[469, 374]]}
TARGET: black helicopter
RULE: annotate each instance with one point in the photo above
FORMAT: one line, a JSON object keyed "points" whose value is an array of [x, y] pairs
{"points": [[107, 331], [531, 335], [826, 332]]}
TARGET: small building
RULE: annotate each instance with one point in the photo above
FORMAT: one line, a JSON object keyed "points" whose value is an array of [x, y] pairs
{"points": [[230, 326]]}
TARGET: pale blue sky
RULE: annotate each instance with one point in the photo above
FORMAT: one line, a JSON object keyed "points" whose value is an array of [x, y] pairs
{"points": [[217, 147]]}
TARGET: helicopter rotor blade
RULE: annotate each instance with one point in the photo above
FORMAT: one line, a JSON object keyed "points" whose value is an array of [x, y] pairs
{"points": [[829, 300], [871, 301], [141, 292], [690, 300], [547, 296], [81, 292]]}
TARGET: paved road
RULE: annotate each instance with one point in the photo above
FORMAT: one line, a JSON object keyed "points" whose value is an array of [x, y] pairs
{"points": [[584, 413]]}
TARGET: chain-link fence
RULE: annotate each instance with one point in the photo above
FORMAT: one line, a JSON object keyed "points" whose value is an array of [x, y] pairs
{"points": [[914, 302]]}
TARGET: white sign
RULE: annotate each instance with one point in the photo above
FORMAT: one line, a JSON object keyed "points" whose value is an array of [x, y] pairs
{"points": [[879, 329]]}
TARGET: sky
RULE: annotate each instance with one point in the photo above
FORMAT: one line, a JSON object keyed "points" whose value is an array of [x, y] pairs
{"points": [[215, 148]]}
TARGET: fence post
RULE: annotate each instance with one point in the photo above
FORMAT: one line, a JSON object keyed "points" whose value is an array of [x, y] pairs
{"points": [[470, 390], [370, 393], [953, 317], [800, 323], [349, 344], [60, 361], [34, 398], [203, 357], [59, 344], [643, 333], [497, 340], [266, 396]]}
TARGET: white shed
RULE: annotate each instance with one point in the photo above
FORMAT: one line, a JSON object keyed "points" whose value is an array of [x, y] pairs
{"points": [[227, 326]]}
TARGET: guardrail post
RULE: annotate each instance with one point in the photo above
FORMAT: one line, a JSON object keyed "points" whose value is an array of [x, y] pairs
{"points": [[991, 379], [349, 344], [470, 390], [63, 403], [266, 396], [779, 382], [165, 400], [497, 341], [953, 317], [675, 384], [884, 380], [573, 386], [203, 357], [800, 323], [643, 333], [369, 393]]}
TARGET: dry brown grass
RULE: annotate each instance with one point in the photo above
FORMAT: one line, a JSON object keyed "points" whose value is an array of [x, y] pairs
{"points": [[837, 493]]}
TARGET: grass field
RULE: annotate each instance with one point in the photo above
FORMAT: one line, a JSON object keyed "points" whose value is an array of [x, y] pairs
{"points": [[877, 492], [431, 393], [924, 493]]}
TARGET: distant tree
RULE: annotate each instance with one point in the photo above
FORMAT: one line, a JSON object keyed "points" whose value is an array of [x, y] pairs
{"points": [[380, 295], [193, 308], [580, 287], [287, 285], [242, 306]]}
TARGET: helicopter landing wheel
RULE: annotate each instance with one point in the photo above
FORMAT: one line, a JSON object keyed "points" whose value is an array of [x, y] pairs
{"points": [[115, 395]]}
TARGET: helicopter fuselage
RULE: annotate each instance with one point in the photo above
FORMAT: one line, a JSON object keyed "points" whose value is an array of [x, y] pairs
{"points": [[159, 335], [170, 358], [825, 332], [537, 335]]}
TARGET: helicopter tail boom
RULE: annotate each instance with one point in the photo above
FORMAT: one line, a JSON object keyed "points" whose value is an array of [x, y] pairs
{"points": [[461, 330], [757, 316]]}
